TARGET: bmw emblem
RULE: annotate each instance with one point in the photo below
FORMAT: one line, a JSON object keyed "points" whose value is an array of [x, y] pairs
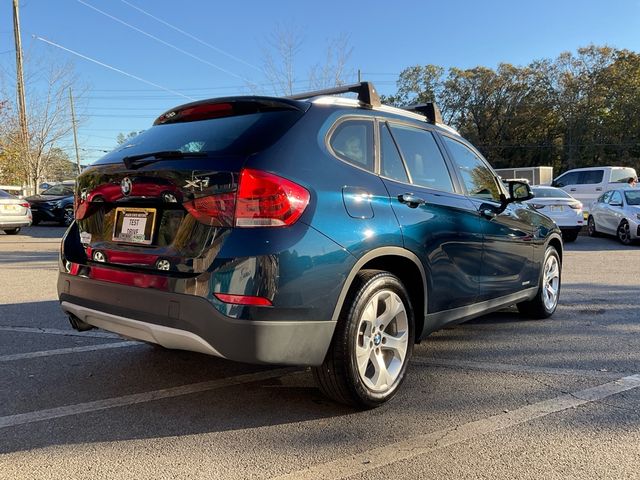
{"points": [[125, 186]]}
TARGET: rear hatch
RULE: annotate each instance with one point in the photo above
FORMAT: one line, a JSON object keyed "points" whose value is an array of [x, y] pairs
{"points": [[165, 200]]}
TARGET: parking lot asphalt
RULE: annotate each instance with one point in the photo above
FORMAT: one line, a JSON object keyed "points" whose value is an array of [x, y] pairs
{"points": [[498, 397]]}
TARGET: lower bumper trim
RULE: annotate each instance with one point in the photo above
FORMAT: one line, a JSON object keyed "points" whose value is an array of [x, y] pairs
{"points": [[166, 336]]}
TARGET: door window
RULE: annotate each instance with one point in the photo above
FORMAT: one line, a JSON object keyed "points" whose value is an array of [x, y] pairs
{"points": [[478, 178], [423, 158], [567, 179], [616, 199], [391, 162]]}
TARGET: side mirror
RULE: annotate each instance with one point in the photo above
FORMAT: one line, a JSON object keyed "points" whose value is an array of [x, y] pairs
{"points": [[519, 191]]}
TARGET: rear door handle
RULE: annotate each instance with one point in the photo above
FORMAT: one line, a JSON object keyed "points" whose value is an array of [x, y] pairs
{"points": [[411, 200]]}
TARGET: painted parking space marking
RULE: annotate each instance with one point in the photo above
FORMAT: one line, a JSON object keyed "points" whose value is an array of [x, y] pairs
{"points": [[55, 331], [66, 351], [424, 444], [136, 398], [513, 368]]}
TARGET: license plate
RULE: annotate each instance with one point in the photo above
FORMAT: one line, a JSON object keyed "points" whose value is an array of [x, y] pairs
{"points": [[11, 208], [557, 208], [134, 225]]}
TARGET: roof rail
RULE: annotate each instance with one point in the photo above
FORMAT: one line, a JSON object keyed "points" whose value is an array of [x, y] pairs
{"points": [[367, 93], [429, 110]]}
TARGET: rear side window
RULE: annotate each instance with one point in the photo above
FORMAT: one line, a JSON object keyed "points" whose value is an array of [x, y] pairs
{"points": [[605, 198], [423, 158], [4, 194], [591, 177], [478, 179], [352, 141], [231, 135]]}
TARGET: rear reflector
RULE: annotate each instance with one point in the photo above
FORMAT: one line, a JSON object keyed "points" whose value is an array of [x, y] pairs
{"points": [[243, 299], [266, 200]]}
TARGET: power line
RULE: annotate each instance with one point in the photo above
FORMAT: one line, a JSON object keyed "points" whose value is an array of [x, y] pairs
{"points": [[191, 36], [170, 45], [111, 68]]}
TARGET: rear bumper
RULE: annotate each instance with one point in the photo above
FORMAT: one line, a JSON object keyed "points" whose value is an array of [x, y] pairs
{"points": [[14, 222], [192, 323]]}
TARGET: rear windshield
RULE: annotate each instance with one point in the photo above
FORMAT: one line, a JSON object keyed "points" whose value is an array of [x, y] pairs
{"points": [[235, 135], [58, 190], [621, 175], [550, 193], [633, 197], [4, 194]]}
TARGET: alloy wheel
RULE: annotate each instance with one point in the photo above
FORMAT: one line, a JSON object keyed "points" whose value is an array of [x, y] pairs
{"points": [[624, 233], [551, 282], [382, 341]]}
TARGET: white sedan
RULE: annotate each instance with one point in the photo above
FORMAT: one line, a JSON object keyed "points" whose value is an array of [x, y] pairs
{"points": [[14, 213], [616, 212], [561, 207]]}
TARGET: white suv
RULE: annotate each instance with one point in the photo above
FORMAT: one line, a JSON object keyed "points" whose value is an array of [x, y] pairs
{"points": [[587, 184]]}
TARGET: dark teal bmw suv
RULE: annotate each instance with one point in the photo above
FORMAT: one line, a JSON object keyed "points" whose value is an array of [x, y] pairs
{"points": [[312, 230]]}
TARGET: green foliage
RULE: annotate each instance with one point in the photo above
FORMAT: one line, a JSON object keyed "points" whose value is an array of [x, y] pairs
{"points": [[576, 110]]}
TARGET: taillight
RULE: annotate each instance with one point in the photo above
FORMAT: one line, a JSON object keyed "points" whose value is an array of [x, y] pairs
{"points": [[266, 200], [537, 206], [25, 204], [576, 205], [262, 200], [213, 210]]}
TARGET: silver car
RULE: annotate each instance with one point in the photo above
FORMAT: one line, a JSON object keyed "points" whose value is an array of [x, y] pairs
{"points": [[616, 212], [14, 213], [561, 207]]}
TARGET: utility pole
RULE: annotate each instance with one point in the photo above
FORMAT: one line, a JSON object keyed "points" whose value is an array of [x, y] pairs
{"points": [[22, 109], [359, 76], [75, 130]]}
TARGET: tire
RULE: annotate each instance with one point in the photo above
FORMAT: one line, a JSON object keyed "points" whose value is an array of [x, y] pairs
{"points": [[360, 368], [12, 231], [570, 236], [591, 227], [546, 300], [623, 233], [68, 217]]}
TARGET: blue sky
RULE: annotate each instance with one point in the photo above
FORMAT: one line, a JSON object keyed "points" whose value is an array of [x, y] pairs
{"points": [[386, 37]]}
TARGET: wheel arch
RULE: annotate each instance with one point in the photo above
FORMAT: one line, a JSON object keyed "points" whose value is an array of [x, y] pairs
{"points": [[403, 264], [555, 241]]}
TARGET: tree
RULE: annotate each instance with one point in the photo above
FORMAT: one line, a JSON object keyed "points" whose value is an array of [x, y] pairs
{"points": [[281, 53], [125, 137], [48, 120]]}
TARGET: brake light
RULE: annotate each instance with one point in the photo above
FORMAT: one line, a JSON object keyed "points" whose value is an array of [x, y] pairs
{"points": [[537, 206], [25, 204], [576, 205], [267, 200], [243, 299], [213, 210]]}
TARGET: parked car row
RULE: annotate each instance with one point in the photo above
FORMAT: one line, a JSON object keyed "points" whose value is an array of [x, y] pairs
{"points": [[54, 204]]}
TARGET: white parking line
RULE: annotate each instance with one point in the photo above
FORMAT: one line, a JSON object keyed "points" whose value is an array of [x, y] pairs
{"points": [[64, 351], [512, 368], [55, 331], [422, 445], [67, 410]]}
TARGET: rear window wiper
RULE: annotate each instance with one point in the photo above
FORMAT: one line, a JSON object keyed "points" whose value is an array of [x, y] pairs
{"points": [[137, 161]]}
